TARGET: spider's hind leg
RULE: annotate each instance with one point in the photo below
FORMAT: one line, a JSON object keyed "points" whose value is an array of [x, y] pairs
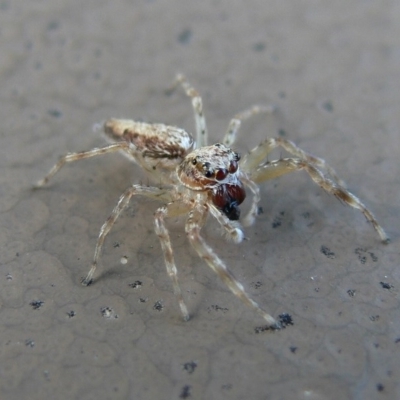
{"points": [[197, 103], [71, 157], [236, 121]]}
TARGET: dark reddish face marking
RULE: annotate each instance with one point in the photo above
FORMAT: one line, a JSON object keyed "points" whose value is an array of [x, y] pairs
{"points": [[227, 198]]}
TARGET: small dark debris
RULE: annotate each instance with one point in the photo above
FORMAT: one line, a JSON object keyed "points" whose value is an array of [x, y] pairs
{"points": [[36, 304], [327, 105], [374, 318], [264, 328], [142, 300], [189, 367], [108, 312], [115, 245], [256, 285], [293, 349], [386, 285], [158, 306], [9, 277], [136, 284], [362, 255], [71, 313], [260, 210], [29, 343], [185, 36], [54, 113], [397, 340], [316, 289], [380, 387], [185, 392], [277, 222], [216, 307], [326, 251], [351, 292], [285, 319], [259, 46]]}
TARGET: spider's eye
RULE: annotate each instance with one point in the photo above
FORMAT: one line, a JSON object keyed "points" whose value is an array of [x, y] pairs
{"points": [[194, 161], [221, 174], [233, 166], [208, 174], [237, 156]]}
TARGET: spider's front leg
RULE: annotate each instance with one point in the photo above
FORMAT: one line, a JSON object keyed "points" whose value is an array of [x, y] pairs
{"points": [[257, 156], [193, 226], [123, 202], [274, 169]]}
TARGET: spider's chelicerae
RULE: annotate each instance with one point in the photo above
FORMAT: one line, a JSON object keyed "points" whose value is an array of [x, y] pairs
{"points": [[198, 179]]}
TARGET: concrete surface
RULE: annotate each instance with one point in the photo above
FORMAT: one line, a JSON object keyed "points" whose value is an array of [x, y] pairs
{"points": [[332, 68]]}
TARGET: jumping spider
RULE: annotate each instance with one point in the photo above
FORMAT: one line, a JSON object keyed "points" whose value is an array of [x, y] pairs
{"points": [[198, 179]]}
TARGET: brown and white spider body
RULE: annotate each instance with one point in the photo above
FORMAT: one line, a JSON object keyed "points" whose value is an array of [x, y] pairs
{"points": [[196, 179]]}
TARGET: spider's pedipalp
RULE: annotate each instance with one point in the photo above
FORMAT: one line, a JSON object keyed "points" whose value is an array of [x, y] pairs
{"points": [[231, 228]]}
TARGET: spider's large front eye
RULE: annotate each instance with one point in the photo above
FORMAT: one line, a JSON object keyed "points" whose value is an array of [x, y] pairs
{"points": [[233, 166], [208, 174], [221, 174]]}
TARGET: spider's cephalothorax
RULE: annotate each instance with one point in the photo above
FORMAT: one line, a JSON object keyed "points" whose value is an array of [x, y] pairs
{"points": [[215, 169], [195, 179]]}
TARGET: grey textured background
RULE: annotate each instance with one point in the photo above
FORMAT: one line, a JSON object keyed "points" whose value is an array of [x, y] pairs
{"points": [[332, 68]]}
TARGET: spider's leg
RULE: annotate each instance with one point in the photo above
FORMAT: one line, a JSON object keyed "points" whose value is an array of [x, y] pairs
{"points": [[256, 156], [236, 121], [123, 202], [193, 226], [280, 167], [70, 157], [253, 212], [197, 103], [163, 234]]}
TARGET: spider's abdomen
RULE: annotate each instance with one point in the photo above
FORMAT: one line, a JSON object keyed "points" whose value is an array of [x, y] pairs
{"points": [[158, 144], [228, 197]]}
